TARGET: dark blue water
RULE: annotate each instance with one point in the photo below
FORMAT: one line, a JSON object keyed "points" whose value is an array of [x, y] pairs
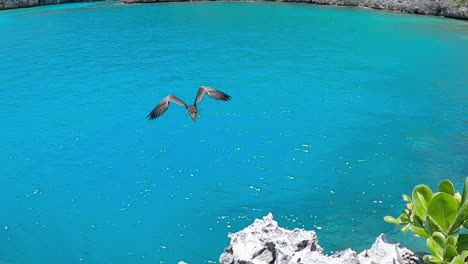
{"points": [[335, 113]]}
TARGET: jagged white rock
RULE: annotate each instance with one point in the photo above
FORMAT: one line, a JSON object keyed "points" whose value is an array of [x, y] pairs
{"points": [[265, 242], [384, 252]]}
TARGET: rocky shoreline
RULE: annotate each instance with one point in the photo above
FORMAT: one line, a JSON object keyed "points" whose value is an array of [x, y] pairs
{"points": [[265, 242], [445, 8], [457, 9], [13, 4]]}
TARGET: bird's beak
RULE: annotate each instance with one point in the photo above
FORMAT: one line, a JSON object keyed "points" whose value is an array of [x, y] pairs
{"points": [[193, 116]]}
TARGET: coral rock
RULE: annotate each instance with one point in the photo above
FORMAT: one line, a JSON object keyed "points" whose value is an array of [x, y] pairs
{"points": [[265, 242]]}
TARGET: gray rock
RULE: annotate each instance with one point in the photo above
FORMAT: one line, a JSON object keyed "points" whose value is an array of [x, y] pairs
{"points": [[449, 8], [265, 242], [8, 4], [347, 256], [384, 252], [11, 4], [456, 12]]}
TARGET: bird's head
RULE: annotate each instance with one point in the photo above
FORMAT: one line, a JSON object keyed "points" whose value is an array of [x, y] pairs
{"points": [[193, 112]]}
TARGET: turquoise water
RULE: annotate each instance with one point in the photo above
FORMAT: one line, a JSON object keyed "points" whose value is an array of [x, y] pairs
{"points": [[335, 113]]}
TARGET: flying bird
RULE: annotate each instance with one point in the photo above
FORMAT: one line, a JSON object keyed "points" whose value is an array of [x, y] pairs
{"points": [[162, 107]]}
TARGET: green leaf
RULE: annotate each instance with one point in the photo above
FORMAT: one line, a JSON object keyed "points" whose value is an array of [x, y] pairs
{"points": [[406, 228], [457, 260], [435, 248], [464, 254], [392, 220], [465, 191], [410, 206], [419, 231], [461, 258], [462, 243], [406, 198], [465, 224], [417, 221], [462, 216], [450, 252], [422, 194], [432, 259], [452, 240], [404, 219], [446, 186], [407, 212], [440, 239], [433, 226], [443, 209]]}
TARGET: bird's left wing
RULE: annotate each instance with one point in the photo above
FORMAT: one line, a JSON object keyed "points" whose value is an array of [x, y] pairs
{"points": [[213, 93]]}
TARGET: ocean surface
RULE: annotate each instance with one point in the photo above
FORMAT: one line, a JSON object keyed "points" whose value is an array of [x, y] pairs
{"points": [[335, 113]]}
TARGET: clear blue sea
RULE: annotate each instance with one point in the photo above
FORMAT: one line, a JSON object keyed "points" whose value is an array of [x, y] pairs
{"points": [[335, 113]]}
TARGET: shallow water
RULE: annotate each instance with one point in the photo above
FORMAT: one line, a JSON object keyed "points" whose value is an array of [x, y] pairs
{"points": [[335, 113]]}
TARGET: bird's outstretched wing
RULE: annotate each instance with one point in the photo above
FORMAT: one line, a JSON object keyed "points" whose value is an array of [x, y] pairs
{"points": [[163, 105], [213, 93]]}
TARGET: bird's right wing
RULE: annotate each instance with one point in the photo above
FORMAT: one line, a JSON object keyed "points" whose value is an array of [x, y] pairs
{"points": [[163, 105]]}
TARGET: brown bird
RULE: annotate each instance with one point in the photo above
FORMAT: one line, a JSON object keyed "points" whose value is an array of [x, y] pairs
{"points": [[192, 109]]}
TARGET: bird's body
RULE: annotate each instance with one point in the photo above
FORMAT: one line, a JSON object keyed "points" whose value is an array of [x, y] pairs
{"points": [[191, 109], [193, 112]]}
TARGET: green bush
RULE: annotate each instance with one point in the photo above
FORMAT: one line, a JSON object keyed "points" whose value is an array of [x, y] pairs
{"points": [[440, 218], [458, 3]]}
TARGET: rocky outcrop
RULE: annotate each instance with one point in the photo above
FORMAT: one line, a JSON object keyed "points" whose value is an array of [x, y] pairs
{"points": [[446, 8], [8, 4], [385, 252], [153, 1], [265, 242], [456, 12], [11, 4]]}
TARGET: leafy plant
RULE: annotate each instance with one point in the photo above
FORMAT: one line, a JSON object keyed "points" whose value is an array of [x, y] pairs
{"points": [[439, 217]]}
